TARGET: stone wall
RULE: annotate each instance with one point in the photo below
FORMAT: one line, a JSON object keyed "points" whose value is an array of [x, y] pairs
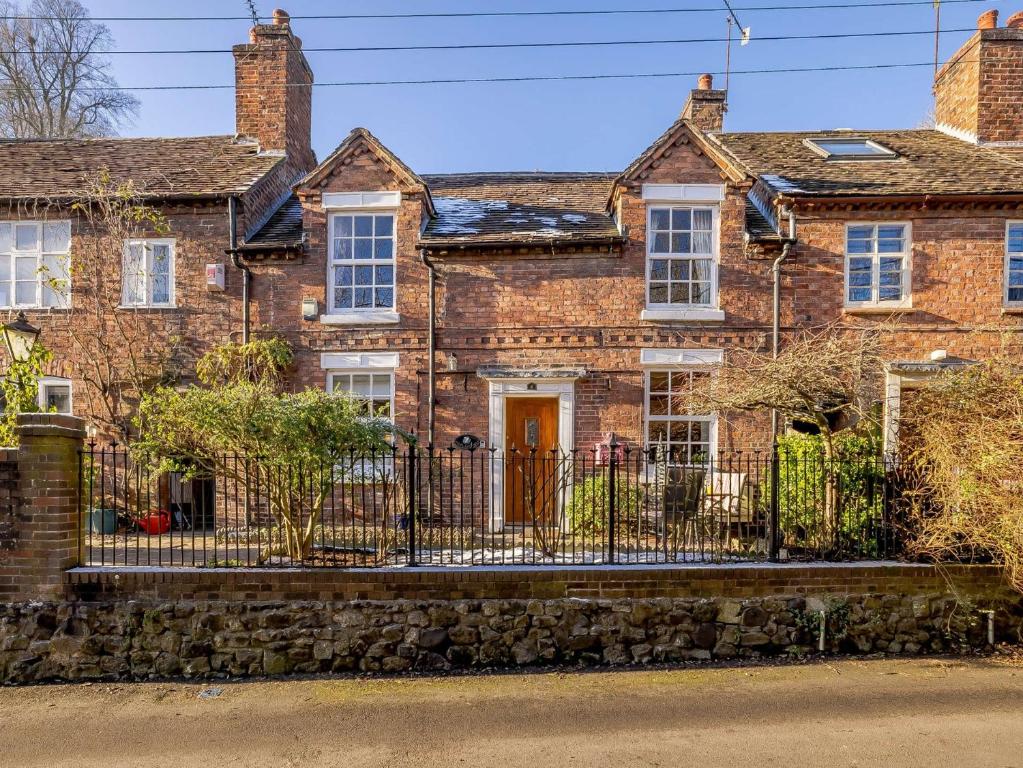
{"points": [[143, 639]]}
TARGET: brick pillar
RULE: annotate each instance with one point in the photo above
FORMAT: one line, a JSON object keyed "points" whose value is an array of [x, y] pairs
{"points": [[39, 516]]}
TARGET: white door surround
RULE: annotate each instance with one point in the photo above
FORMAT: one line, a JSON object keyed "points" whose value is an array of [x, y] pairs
{"points": [[525, 386]]}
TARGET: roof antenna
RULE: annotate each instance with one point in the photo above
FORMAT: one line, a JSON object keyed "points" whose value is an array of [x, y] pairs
{"points": [[252, 10], [937, 33], [744, 33]]}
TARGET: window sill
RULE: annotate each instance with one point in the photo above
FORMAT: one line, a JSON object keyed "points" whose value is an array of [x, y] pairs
{"points": [[361, 318], [1013, 309], [878, 309], [705, 314], [147, 307]]}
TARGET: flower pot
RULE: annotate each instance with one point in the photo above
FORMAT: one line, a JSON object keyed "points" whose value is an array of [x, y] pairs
{"points": [[103, 521], [155, 523]]}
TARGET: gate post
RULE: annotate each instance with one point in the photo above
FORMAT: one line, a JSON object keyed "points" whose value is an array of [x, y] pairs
{"points": [[612, 492], [40, 519], [412, 469], [775, 527]]}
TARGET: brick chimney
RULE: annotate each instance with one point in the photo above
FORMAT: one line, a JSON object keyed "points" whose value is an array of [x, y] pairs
{"points": [[706, 107], [273, 91], [978, 94]]}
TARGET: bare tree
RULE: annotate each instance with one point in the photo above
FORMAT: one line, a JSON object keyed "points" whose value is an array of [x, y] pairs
{"points": [[827, 377], [54, 78]]}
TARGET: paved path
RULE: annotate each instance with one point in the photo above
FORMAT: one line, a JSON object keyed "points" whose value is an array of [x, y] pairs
{"points": [[845, 713]]}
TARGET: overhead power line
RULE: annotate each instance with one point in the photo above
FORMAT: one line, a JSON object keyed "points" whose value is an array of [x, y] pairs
{"points": [[550, 44], [498, 14], [524, 78]]}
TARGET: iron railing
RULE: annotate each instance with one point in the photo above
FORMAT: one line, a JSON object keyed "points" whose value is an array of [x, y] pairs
{"points": [[424, 506]]}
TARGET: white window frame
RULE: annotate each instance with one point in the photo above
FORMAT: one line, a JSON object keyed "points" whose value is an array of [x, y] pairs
{"points": [[1007, 302], [677, 311], [389, 372], [366, 365], [39, 253], [147, 303], [906, 302], [368, 314], [55, 381], [711, 420]]}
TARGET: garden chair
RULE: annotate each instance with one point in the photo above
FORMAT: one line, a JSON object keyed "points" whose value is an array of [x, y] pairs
{"points": [[682, 502]]}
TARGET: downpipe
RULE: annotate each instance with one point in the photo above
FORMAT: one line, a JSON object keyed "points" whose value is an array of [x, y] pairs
{"points": [[431, 345], [232, 218], [775, 347]]}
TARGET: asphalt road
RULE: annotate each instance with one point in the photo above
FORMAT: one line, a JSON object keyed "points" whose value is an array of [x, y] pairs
{"points": [[937, 712]]}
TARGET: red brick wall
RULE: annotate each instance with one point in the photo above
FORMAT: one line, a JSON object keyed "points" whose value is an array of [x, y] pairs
{"points": [[978, 89], [525, 583], [267, 109], [200, 319], [957, 279]]}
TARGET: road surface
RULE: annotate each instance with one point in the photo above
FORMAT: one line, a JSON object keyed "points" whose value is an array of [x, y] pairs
{"points": [[928, 712]]}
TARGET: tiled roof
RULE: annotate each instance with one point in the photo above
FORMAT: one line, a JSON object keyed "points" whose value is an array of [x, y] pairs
{"points": [[282, 230], [204, 166], [929, 163], [519, 208], [757, 227]]}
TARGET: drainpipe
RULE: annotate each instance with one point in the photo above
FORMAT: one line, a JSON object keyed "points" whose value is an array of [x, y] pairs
{"points": [[232, 217], [432, 345], [775, 533], [776, 307]]}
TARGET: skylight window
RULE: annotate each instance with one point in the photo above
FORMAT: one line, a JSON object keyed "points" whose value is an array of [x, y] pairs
{"points": [[850, 149]]}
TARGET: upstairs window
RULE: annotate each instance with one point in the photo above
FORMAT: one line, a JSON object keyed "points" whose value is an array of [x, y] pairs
{"points": [[35, 268], [148, 273], [681, 257], [362, 262], [1014, 263], [877, 265], [850, 149]]}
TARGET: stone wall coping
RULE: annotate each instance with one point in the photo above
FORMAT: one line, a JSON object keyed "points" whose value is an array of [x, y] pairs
{"points": [[566, 571], [50, 424]]}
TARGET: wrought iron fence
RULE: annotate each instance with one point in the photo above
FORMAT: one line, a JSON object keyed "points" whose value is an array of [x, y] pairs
{"points": [[422, 506]]}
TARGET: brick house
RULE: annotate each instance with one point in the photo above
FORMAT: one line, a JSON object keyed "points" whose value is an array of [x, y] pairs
{"points": [[565, 306]]}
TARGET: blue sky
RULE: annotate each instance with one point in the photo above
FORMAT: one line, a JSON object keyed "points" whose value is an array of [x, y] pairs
{"points": [[570, 125]]}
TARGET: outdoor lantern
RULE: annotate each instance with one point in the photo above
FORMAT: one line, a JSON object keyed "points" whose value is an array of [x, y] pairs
{"points": [[452, 362], [20, 336]]}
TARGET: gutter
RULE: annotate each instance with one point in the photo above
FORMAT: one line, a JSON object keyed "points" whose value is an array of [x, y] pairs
{"points": [[438, 245]]}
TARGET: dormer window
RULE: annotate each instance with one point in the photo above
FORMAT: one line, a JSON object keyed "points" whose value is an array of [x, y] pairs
{"points": [[850, 149]]}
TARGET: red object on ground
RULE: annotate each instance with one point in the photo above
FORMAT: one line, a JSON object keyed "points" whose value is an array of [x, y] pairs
{"points": [[155, 523]]}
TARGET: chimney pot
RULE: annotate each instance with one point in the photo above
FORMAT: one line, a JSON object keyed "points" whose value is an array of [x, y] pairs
{"points": [[705, 82], [1015, 21], [988, 19], [281, 17]]}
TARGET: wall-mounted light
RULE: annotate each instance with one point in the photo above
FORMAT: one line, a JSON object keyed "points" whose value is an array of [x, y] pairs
{"points": [[20, 336], [452, 362]]}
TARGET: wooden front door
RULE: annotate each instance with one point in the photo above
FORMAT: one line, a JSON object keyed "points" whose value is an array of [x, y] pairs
{"points": [[531, 460]]}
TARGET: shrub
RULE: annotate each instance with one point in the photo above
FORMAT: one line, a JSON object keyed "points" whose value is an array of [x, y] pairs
{"points": [[803, 475], [589, 507]]}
